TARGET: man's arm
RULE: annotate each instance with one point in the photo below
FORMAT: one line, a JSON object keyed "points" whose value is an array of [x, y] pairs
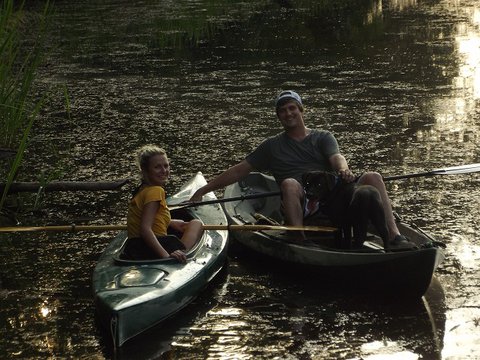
{"points": [[340, 165], [229, 176]]}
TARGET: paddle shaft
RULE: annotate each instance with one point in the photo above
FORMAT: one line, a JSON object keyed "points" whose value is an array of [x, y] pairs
{"points": [[407, 176], [75, 228], [223, 200], [72, 228], [254, 227], [462, 169]]}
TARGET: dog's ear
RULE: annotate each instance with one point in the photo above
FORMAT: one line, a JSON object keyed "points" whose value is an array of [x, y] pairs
{"points": [[305, 177]]}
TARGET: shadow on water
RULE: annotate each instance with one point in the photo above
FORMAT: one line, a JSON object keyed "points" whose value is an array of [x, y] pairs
{"points": [[332, 323], [254, 309]]}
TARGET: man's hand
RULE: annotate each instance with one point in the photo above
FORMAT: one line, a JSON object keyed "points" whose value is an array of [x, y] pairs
{"points": [[346, 175], [197, 196]]}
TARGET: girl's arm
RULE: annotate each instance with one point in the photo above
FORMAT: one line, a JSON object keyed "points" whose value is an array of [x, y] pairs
{"points": [[148, 217]]}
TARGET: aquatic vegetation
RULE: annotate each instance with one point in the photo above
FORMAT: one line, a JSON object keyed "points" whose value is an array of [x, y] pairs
{"points": [[21, 53], [224, 23]]}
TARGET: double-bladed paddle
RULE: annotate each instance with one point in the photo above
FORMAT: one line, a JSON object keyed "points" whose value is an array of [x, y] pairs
{"points": [[454, 170]]}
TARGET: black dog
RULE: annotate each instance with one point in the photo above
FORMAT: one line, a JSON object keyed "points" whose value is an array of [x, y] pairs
{"points": [[348, 206]]}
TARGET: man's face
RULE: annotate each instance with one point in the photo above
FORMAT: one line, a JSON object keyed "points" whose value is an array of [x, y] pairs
{"points": [[290, 114]]}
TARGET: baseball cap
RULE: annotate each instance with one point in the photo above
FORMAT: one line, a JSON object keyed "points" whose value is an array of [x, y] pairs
{"points": [[287, 95]]}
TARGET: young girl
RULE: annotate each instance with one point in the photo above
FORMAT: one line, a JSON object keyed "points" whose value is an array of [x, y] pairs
{"points": [[148, 216]]}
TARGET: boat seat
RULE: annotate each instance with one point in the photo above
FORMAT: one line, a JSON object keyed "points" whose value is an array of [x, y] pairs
{"points": [[120, 259], [264, 220]]}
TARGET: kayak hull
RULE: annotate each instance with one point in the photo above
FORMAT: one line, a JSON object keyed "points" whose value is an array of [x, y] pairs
{"points": [[133, 296]]}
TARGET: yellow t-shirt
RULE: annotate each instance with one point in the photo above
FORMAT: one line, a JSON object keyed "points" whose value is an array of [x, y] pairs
{"points": [[135, 208]]}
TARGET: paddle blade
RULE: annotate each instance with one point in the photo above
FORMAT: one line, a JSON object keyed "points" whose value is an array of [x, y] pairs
{"points": [[462, 169], [454, 170]]}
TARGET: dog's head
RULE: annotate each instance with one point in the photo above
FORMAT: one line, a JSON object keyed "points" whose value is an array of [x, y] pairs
{"points": [[318, 184]]}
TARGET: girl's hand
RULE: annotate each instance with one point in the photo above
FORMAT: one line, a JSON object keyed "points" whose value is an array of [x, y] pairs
{"points": [[179, 255]]}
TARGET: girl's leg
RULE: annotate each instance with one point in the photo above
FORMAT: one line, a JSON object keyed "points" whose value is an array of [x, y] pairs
{"points": [[192, 233]]}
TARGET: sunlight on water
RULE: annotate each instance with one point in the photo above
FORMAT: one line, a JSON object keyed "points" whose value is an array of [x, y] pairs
{"points": [[388, 350], [402, 4], [469, 74], [226, 312], [468, 255], [462, 334], [45, 311], [457, 115], [454, 115]]}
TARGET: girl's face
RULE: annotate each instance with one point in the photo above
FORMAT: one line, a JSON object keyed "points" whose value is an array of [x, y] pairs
{"points": [[158, 170]]}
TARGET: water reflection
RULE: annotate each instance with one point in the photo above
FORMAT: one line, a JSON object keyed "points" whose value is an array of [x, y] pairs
{"points": [[400, 5], [456, 121], [249, 320], [455, 115]]}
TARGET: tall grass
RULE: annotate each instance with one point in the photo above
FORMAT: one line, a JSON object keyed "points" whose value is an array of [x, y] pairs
{"points": [[21, 53]]}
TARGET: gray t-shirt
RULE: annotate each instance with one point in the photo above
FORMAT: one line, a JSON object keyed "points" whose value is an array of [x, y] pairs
{"points": [[285, 157]]}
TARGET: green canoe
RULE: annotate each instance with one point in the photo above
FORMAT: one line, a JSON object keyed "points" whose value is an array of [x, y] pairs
{"points": [[132, 296]]}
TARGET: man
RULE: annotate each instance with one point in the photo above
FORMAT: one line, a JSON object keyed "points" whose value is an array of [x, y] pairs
{"points": [[293, 152]]}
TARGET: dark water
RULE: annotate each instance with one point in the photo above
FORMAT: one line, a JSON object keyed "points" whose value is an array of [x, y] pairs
{"points": [[397, 82]]}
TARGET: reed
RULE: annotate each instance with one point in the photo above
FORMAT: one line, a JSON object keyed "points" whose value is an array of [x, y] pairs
{"points": [[21, 53]]}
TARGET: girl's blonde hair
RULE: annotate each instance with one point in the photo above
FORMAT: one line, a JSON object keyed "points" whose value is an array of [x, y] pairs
{"points": [[146, 152]]}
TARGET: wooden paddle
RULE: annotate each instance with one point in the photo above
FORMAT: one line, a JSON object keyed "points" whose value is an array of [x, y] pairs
{"points": [[74, 228], [17, 187], [454, 170]]}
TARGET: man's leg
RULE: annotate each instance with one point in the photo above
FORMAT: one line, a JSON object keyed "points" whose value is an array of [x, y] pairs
{"points": [[292, 201], [376, 180]]}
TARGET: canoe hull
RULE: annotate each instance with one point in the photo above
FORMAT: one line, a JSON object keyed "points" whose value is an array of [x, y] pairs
{"points": [[406, 273], [133, 296]]}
